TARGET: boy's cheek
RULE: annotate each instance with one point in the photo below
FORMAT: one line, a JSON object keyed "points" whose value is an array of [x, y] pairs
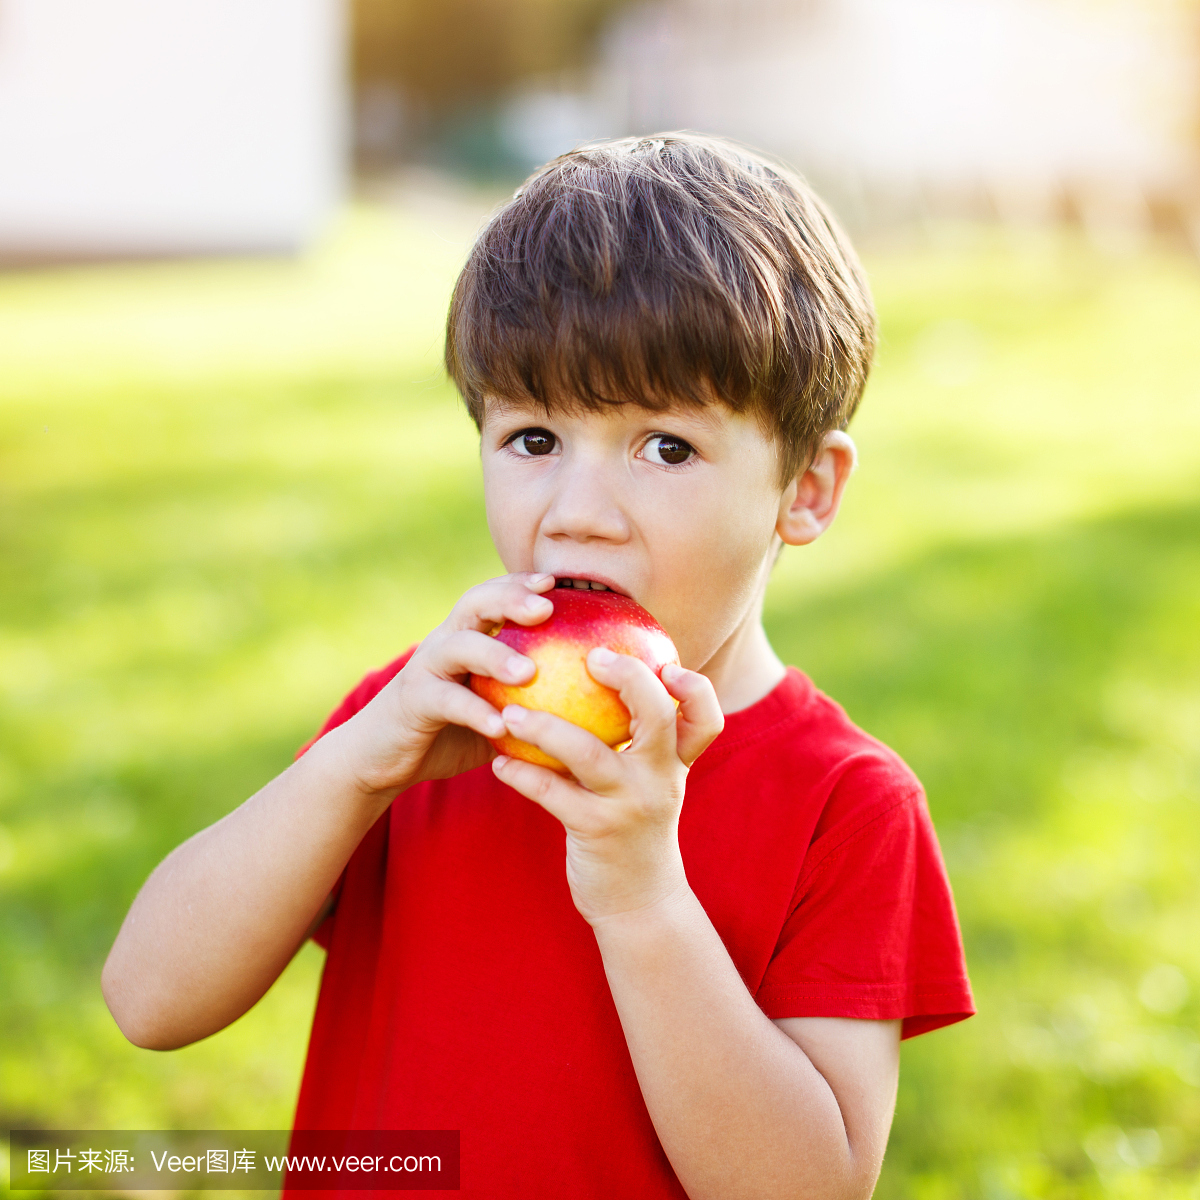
{"points": [[513, 533]]}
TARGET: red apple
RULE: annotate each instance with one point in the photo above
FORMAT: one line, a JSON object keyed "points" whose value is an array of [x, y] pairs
{"points": [[582, 620]]}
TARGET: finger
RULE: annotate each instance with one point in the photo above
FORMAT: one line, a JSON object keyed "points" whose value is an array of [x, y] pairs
{"points": [[558, 796], [510, 598], [651, 709], [452, 704], [699, 719], [583, 754], [469, 652]]}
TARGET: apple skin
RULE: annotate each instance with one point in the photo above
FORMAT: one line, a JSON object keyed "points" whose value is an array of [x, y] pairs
{"points": [[581, 621]]}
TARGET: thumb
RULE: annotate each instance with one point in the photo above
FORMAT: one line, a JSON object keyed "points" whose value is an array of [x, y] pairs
{"points": [[699, 718]]}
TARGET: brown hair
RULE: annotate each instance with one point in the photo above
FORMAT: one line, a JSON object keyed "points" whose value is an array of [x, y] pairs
{"points": [[663, 270]]}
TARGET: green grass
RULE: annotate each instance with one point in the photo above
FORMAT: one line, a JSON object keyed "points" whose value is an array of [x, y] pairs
{"points": [[227, 489], [1047, 690]]}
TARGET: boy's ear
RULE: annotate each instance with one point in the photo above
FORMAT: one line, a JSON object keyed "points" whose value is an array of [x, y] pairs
{"points": [[811, 500]]}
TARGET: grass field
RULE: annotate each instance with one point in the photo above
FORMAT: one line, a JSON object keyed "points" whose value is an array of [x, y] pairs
{"points": [[228, 489]]}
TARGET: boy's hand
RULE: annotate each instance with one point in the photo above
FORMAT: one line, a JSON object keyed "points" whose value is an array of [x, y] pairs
{"points": [[621, 810], [426, 724]]}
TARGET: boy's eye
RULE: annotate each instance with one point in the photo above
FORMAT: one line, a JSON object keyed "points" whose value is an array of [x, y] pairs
{"points": [[668, 450], [534, 442]]}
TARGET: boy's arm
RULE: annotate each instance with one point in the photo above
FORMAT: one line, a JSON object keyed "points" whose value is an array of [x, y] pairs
{"points": [[224, 913], [743, 1106]]}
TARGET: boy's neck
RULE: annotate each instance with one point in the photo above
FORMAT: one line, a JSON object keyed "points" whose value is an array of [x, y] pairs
{"points": [[745, 668]]}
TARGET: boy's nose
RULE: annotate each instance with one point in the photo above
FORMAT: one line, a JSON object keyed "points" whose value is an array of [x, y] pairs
{"points": [[585, 507]]}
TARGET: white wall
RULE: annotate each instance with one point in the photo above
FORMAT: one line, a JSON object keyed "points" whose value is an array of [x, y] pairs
{"points": [[168, 126], [941, 92]]}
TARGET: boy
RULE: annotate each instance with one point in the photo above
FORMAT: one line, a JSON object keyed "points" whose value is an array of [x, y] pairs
{"points": [[661, 341]]}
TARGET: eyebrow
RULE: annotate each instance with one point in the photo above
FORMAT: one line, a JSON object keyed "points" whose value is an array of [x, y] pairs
{"points": [[496, 406], [502, 408]]}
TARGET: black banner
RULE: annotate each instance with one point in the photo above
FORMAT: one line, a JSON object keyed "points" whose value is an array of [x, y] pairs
{"points": [[233, 1159]]}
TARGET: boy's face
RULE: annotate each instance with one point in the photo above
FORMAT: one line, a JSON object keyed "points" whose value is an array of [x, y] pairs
{"points": [[677, 509]]}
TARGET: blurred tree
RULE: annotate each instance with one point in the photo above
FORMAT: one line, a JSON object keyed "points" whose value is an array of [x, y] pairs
{"points": [[437, 59]]}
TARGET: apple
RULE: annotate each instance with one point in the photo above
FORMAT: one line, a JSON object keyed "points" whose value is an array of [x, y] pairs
{"points": [[582, 620]]}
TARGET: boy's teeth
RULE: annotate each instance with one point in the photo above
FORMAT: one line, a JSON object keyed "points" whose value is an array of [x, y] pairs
{"points": [[583, 584]]}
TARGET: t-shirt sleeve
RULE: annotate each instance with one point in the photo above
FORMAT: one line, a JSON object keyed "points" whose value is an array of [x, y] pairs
{"points": [[366, 690], [872, 932]]}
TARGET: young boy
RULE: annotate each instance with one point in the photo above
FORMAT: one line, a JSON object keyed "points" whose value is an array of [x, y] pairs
{"points": [[661, 341]]}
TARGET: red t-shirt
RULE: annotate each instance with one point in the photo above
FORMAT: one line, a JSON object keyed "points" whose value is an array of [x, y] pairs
{"points": [[463, 991]]}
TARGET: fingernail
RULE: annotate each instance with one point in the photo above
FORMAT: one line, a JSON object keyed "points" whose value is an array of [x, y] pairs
{"points": [[534, 603], [495, 727], [603, 656], [674, 668], [499, 762], [538, 580], [519, 668], [513, 714]]}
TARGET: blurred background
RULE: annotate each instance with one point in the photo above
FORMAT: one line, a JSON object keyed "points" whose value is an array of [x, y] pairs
{"points": [[233, 478]]}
